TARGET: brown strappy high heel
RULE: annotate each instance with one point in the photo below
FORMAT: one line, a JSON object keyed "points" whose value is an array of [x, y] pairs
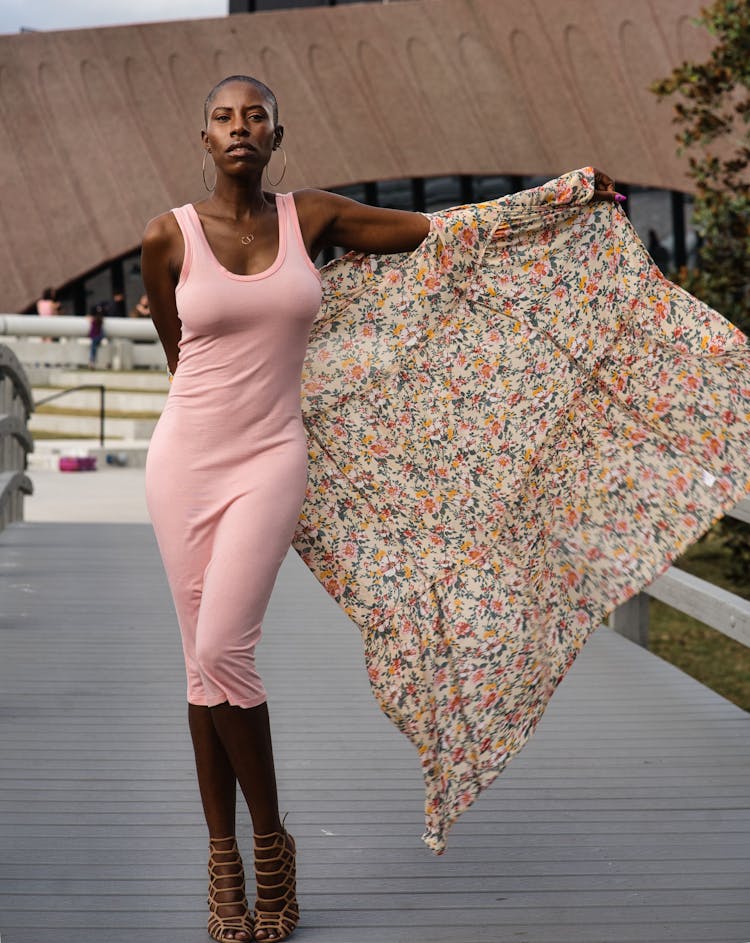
{"points": [[271, 860], [226, 863]]}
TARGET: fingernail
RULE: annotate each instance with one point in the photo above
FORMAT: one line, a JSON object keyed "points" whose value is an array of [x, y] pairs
{"points": [[619, 198]]}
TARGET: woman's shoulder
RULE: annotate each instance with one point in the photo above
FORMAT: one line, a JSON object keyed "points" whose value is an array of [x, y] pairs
{"points": [[161, 231], [316, 208]]}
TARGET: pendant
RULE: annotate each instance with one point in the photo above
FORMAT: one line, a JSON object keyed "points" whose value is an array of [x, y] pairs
{"points": [[246, 240]]}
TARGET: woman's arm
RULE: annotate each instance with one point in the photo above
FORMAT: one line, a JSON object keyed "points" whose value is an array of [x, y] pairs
{"points": [[329, 219], [161, 260]]}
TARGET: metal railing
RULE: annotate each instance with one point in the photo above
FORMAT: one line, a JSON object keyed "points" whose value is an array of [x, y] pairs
{"points": [[26, 325], [129, 343], [16, 405], [73, 389]]}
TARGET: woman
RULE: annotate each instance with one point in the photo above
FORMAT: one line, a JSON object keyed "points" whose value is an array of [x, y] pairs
{"points": [[96, 331], [48, 306], [233, 294], [141, 309]]}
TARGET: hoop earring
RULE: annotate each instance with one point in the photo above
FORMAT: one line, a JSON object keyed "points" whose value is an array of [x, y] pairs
{"points": [[210, 189], [276, 183]]}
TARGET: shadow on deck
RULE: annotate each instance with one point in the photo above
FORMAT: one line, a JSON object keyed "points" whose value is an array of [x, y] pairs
{"points": [[625, 818]]}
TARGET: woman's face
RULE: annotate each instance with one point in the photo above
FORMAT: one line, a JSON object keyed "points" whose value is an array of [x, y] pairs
{"points": [[240, 133]]}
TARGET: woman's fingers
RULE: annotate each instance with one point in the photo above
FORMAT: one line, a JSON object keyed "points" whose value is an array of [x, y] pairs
{"points": [[604, 188], [603, 181], [610, 196]]}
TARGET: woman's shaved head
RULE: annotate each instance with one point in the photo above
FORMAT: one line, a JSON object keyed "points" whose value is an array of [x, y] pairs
{"points": [[261, 86]]}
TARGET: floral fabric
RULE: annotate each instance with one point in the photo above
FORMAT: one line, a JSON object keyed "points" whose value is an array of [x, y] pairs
{"points": [[511, 431]]}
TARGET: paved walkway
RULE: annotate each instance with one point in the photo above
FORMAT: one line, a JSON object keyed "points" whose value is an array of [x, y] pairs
{"points": [[109, 495], [626, 817]]}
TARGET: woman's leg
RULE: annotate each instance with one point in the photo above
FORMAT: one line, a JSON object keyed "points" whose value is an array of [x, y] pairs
{"points": [[236, 741], [249, 544], [216, 779], [218, 788], [245, 733]]}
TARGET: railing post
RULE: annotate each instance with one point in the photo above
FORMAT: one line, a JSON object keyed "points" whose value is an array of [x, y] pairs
{"points": [[631, 619], [101, 415]]}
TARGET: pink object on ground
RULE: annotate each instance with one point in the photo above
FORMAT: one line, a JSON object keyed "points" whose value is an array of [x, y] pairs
{"points": [[69, 463]]}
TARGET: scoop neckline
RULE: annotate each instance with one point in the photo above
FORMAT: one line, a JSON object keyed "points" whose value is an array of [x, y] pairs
{"points": [[266, 272]]}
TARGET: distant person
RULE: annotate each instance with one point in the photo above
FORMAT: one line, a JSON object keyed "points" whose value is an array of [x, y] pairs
{"points": [[658, 252], [48, 306], [96, 330], [140, 310], [117, 307]]}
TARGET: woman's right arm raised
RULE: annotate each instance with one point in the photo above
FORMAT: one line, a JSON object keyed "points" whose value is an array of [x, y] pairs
{"points": [[161, 260]]}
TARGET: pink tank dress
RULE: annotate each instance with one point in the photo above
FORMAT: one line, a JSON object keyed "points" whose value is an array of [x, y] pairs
{"points": [[226, 469]]}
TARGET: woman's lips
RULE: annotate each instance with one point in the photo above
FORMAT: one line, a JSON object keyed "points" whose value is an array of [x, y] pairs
{"points": [[242, 150]]}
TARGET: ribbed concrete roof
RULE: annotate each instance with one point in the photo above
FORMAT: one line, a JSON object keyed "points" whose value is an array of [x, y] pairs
{"points": [[100, 129]]}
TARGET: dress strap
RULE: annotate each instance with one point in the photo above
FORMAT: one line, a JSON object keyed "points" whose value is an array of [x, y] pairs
{"points": [[293, 231], [187, 223]]}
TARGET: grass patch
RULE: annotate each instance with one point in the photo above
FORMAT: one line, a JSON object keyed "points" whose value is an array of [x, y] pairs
{"points": [[707, 655]]}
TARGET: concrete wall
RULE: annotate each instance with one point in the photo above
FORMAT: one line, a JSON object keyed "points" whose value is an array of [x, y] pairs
{"points": [[100, 128]]}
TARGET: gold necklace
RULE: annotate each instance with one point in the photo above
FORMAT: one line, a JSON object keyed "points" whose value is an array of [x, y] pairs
{"points": [[247, 238]]}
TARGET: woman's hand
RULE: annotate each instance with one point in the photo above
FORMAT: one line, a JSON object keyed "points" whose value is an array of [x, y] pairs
{"points": [[604, 188]]}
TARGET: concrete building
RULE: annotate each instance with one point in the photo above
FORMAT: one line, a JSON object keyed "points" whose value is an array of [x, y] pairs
{"points": [[423, 103]]}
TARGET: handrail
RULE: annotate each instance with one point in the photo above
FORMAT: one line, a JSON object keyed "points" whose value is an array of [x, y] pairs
{"points": [[10, 366], [741, 511], [16, 427], [16, 404], [30, 325], [82, 386], [724, 611]]}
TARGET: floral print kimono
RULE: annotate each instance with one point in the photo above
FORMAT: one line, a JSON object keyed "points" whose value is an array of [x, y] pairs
{"points": [[511, 431]]}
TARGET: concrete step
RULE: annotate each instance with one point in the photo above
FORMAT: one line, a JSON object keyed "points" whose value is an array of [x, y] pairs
{"points": [[88, 426], [140, 380], [115, 400], [69, 352]]}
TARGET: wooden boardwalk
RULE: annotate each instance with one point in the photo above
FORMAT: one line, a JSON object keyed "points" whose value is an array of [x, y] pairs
{"points": [[626, 817]]}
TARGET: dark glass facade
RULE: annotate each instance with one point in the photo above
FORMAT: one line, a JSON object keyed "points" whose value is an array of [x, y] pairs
{"points": [[661, 213]]}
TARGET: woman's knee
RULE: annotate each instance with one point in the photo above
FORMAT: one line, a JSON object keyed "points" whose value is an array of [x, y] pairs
{"points": [[218, 658]]}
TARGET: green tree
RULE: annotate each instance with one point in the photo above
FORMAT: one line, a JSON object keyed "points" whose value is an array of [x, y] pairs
{"points": [[713, 115]]}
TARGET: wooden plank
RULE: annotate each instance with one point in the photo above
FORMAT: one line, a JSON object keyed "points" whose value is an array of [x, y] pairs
{"points": [[625, 817], [741, 511], [525, 932], [631, 619], [710, 604]]}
